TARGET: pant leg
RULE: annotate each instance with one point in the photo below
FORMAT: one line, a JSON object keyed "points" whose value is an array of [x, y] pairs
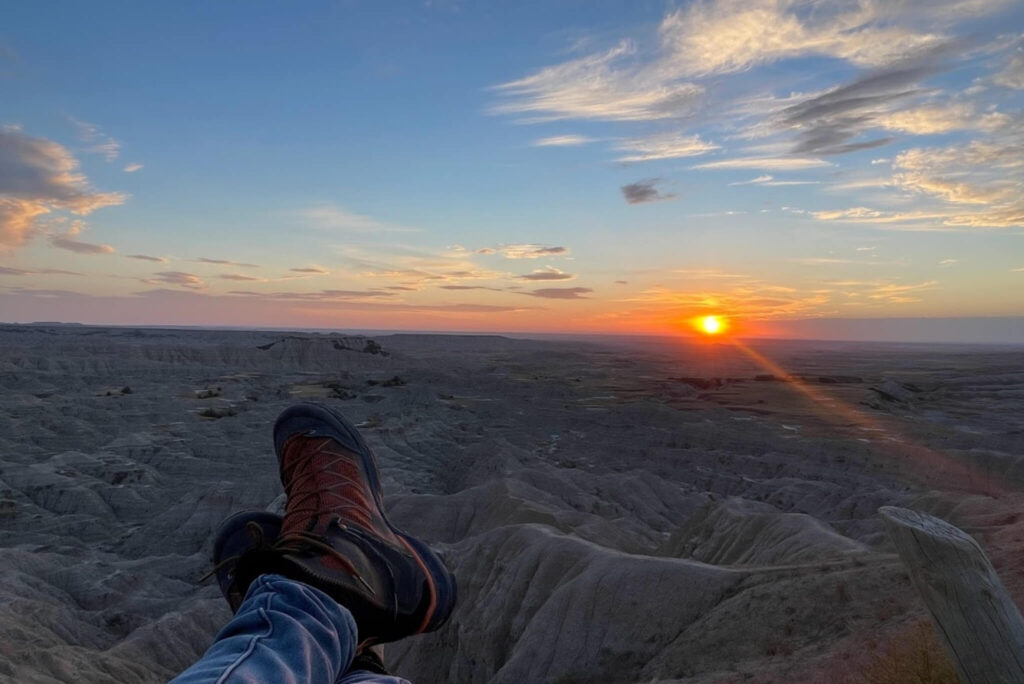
{"points": [[285, 632]]}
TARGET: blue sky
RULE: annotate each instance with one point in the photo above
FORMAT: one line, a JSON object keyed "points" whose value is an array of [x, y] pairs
{"points": [[557, 166]]}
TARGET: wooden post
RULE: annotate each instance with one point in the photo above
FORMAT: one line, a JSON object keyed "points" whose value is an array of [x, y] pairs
{"points": [[976, 618]]}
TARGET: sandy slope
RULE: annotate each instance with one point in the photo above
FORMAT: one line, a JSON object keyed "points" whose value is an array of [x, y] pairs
{"points": [[612, 515]]}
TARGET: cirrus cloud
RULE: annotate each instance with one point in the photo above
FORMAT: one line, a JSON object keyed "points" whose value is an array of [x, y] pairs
{"points": [[664, 146], [333, 217], [766, 163], [602, 86], [563, 141], [98, 141]]}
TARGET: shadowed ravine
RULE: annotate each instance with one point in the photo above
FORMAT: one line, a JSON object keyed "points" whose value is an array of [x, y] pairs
{"points": [[611, 514]]}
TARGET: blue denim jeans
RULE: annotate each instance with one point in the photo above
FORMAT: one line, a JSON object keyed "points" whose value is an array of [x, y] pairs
{"points": [[284, 631]]}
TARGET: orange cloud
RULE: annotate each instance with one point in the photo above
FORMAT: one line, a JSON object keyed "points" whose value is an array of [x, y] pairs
{"points": [[39, 176]]}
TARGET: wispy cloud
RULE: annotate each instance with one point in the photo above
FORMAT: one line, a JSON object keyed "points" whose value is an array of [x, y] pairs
{"points": [[664, 146], [320, 295], [549, 273], [224, 262], [897, 293], [132, 168], [766, 163], [146, 257], [179, 278], [563, 141], [333, 217], [858, 184], [525, 251], [644, 191], [815, 261], [236, 276], [313, 270], [602, 86], [98, 142], [770, 181], [709, 273], [877, 216], [416, 267]]}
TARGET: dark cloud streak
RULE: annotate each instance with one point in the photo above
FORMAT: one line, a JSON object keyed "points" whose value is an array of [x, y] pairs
{"points": [[560, 293], [79, 247], [830, 123]]}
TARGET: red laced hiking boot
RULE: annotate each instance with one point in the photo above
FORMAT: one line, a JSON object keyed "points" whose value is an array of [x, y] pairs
{"points": [[336, 537]]}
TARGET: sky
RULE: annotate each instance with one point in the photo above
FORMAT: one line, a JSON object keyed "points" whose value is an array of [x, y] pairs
{"points": [[567, 166]]}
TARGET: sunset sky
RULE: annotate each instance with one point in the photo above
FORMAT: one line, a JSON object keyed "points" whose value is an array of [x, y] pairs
{"points": [[558, 166]]}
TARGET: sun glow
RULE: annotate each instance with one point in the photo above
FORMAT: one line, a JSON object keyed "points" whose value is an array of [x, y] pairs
{"points": [[711, 325]]}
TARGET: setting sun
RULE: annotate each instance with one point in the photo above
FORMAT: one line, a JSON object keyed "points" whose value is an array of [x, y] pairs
{"points": [[711, 325]]}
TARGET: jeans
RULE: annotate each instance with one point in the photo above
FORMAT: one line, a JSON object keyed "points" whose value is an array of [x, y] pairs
{"points": [[284, 632]]}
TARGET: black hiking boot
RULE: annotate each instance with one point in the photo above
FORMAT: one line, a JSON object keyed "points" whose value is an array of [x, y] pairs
{"points": [[244, 539]]}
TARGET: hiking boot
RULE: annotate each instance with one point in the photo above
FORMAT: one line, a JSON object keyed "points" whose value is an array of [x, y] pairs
{"points": [[336, 537], [244, 540]]}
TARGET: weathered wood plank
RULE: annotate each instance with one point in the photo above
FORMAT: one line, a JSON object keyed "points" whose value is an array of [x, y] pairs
{"points": [[976, 618]]}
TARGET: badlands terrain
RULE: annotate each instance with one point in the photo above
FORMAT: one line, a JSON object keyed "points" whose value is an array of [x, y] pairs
{"points": [[637, 511]]}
